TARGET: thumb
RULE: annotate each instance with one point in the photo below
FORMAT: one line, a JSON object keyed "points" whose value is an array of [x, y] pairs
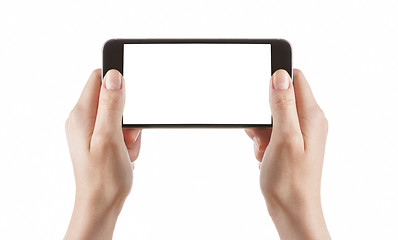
{"points": [[283, 106], [110, 104]]}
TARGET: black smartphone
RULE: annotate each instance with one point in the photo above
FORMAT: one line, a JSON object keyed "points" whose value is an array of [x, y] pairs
{"points": [[197, 83]]}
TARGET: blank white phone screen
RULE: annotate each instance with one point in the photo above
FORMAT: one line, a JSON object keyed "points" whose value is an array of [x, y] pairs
{"points": [[197, 83]]}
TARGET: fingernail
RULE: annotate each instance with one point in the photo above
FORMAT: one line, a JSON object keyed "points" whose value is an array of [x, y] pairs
{"points": [[138, 134], [281, 80], [113, 79], [256, 143]]}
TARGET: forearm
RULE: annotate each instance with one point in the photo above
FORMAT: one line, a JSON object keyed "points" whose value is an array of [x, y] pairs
{"points": [[92, 221]]}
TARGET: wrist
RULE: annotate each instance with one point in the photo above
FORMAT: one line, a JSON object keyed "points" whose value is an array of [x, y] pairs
{"points": [[93, 218], [299, 219], [101, 202]]}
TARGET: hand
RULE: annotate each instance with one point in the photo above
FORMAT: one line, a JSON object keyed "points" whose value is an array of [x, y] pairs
{"points": [[102, 156], [291, 158]]}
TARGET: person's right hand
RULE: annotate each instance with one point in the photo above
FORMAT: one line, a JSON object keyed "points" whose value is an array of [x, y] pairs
{"points": [[291, 158]]}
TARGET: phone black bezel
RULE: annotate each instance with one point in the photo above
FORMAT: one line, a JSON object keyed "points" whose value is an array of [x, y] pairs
{"points": [[112, 58]]}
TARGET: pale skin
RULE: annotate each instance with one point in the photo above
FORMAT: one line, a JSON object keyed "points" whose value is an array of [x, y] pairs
{"points": [[290, 156]]}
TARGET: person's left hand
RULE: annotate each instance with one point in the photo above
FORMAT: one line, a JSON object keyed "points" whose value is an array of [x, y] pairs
{"points": [[103, 156]]}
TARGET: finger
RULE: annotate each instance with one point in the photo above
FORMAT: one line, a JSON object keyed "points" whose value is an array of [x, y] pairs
{"points": [[310, 114], [81, 120], [305, 100], [88, 100], [110, 106], [132, 139], [134, 151], [258, 154], [249, 132], [283, 107], [261, 137]]}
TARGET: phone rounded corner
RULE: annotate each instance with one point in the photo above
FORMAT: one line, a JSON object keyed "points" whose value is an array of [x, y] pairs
{"points": [[109, 43], [284, 47], [285, 43]]}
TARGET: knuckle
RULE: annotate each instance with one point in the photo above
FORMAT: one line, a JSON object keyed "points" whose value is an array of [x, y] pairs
{"points": [[98, 143], [315, 113], [318, 115], [283, 102], [74, 117], [291, 141], [110, 102], [102, 142], [103, 137], [321, 114]]}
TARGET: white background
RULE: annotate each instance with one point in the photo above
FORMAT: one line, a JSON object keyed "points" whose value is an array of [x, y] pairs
{"points": [[197, 83], [199, 184]]}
